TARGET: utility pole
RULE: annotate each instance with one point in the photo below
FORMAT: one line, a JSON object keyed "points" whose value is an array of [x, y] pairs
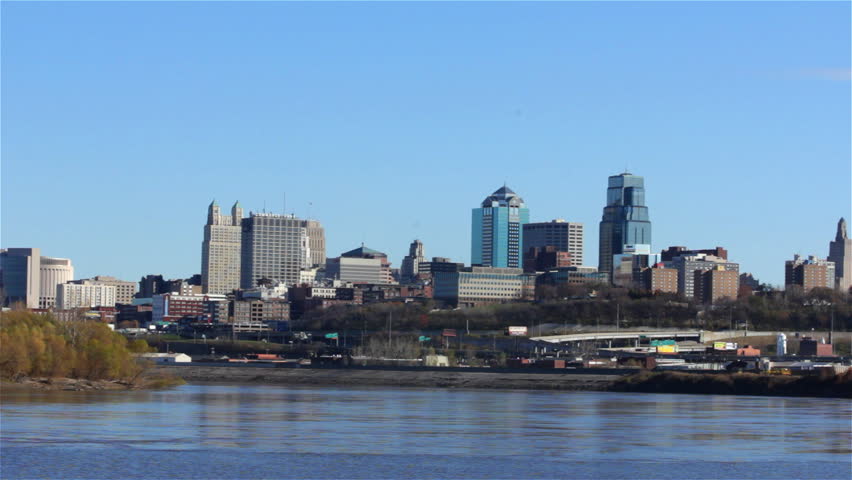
{"points": [[617, 315]]}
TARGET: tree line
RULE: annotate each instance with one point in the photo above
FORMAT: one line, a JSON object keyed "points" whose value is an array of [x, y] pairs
{"points": [[35, 345], [601, 306]]}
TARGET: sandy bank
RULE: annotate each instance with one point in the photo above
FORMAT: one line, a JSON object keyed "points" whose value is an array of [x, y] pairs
{"points": [[407, 378]]}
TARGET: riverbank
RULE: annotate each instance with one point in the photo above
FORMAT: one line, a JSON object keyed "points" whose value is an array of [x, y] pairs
{"points": [[391, 378], [826, 385], [147, 381]]}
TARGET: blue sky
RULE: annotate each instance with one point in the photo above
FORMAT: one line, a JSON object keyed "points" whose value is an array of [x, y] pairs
{"points": [[121, 121]]}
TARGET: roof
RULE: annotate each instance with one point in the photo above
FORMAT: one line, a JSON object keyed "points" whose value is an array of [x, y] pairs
{"points": [[505, 197], [363, 252]]}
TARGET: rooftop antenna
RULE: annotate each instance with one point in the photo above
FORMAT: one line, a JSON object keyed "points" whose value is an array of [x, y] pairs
{"points": [[284, 211], [310, 204], [264, 205]]}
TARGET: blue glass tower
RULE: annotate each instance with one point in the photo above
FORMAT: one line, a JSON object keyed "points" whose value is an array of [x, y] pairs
{"points": [[625, 219], [497, 230]]}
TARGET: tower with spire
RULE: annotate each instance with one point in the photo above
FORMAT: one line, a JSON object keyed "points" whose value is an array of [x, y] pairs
{"points": [[220, 250], [840, 252], [497, 230]]}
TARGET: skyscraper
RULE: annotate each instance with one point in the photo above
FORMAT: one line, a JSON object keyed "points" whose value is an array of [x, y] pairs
{"points": [[20, 270], [497, 235], [411, 263], [220, 250], [840, 252], [274, 247], [565, 236], [625, 219]]}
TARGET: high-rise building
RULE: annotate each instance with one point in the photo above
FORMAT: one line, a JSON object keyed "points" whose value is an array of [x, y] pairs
{"points": [[124, 290], [809, 273], [686, 266], [220, 250], [76, 295], [274, 247], [625, 219], [716, 284], [316, 241], [658, 279], [29, 278], [497, 230], [52, 272], [21, 269], [411, 262], [840, 252], [565, 236]]}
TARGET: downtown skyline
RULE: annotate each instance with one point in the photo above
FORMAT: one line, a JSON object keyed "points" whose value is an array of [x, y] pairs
{"points": [[384, 142]]}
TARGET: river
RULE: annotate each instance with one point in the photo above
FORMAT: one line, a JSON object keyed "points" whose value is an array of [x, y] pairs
{"points": [[214, 431]]}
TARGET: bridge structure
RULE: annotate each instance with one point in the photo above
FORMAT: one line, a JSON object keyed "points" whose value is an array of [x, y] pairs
{"points": [[696, 335]]}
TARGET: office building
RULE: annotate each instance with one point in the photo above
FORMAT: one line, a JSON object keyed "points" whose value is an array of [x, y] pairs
{"points": [[564, 236], [626, 266], [809, 273], [573, 275], [658, 279], [172, 307], [411, 263], [220, 250], [316, 242], [20, 270], [716, 284], [474, 286], [670, 253], [30, 279], [497, 234], [52, 272], [274, 248], [76, 295], [625, 219], [840, 252], [259, 310], [687, 265], [540, 259], [439, 264], [361, 265], [124, 291]]}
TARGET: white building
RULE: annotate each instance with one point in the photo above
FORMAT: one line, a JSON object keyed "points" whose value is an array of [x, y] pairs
{"points": [[52, 272], [161, 358], [74, 295], [124, 290]]}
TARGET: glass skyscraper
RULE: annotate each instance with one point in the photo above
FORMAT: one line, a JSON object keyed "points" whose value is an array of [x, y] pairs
{"points": [[497, 230], [625, 219]]}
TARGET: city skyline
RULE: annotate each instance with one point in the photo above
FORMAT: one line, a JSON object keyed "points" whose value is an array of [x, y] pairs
{"points": [[163, 119]]}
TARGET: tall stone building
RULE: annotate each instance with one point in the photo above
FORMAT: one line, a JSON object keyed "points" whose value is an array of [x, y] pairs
{"points": [[840, 252], [411, 263], [274, 247], [496, 230], [220, 250], [625, 219], [316, 241]]}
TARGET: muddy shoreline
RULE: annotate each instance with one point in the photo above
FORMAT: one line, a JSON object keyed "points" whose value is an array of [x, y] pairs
{"points": [[390, 378]]}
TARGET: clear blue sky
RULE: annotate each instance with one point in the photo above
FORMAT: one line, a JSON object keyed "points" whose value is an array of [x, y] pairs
{"points": [[121, 121]]}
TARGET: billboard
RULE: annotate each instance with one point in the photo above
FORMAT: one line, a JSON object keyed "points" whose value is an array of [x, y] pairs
{"points": [[516, 331]]}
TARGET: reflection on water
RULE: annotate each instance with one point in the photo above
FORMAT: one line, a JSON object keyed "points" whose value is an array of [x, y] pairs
{"points": [[378, 432]]}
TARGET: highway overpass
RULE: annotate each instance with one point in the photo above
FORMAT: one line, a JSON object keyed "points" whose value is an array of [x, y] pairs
{"points": [[695, 335]]}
